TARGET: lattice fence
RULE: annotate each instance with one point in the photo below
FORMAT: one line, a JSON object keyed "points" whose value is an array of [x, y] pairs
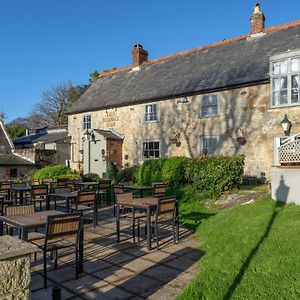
{"points": [[289, 153]]}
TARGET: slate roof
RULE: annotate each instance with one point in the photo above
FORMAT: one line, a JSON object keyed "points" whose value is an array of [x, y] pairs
{"points": [[52, 137], [109, 134], [28, 139], [237, 62], [13, 160]]}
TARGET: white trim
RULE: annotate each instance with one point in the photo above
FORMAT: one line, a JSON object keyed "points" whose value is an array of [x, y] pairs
{"points": [[144, 113]]}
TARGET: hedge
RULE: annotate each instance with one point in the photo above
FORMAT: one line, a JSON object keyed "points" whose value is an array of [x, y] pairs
{"points": [[127, 174], [55, 172], [150, 171], [216, 174]]}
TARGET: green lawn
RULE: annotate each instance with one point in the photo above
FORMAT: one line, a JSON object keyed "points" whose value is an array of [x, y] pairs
{"points": [[251, 251]]}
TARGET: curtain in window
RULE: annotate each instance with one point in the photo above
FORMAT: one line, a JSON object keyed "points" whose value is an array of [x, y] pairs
{"points": [[280, 90], [295, 88]]}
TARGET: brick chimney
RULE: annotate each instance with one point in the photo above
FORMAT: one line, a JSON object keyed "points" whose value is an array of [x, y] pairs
{"points": [[257, 20], [139, 55]]}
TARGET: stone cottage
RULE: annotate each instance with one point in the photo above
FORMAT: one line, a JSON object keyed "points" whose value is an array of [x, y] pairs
{"points": [[12, 165], [225, 98]]}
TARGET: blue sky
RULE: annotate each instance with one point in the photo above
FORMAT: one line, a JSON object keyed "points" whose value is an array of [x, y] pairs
{"points": [[44, 43]]}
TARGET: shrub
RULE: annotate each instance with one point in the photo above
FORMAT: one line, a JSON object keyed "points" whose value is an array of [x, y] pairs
{"points": [[90, 177], [213, 175], [127, 174], [150, 171], [55, 172], [112, 171], [173, 170]]}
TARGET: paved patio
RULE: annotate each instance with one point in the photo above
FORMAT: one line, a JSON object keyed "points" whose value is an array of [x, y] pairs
{"points": [[121, 270]]}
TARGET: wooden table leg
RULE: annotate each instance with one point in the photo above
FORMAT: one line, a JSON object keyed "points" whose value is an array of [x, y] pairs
{"points": [[48, 202], [177, 221], [118, 222], [148, 229]]}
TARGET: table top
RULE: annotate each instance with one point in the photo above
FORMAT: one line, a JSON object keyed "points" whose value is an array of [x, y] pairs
{"points": [[88, 183], [30, 220], [64, 195], [137, 187], [21, 188], [141, 202]]}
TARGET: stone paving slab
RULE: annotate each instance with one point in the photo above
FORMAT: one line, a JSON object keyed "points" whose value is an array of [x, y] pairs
{"points": [[121, 270]]}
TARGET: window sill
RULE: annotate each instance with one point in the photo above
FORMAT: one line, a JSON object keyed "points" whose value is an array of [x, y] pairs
{"points": [[284, 105], [151, 122], [208, 117]]}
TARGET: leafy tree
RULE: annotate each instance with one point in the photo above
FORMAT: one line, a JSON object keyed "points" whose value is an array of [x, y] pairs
{"points": [[93, 76]]}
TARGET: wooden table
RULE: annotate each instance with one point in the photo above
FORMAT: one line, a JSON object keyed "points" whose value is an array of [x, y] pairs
{"points": [[139, 188], [148, 204], [61, 196], [21, 190], [25, 222]]}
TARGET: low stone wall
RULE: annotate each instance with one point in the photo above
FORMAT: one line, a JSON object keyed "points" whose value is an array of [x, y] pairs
{"points": [[15, 275], [285, 184]]}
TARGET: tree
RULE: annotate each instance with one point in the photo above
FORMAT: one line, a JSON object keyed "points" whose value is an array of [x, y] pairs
{"points": [[93, 76], [55, 103]]}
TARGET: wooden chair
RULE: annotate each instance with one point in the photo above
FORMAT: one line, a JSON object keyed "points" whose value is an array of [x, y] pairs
{"points": [[21, 210], [5, 189], [124, 200], [165, 212], [159, 189], [61, 190], [39, 193], [62, 182], [105, 185], [87, 201], [62, 231]]}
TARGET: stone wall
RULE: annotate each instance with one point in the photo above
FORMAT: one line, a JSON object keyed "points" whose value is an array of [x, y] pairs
{"points": [[15, 274], [243, 113]]}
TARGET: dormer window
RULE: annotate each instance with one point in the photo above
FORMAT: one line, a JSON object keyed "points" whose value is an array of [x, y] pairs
{"points": [[285, 70]]}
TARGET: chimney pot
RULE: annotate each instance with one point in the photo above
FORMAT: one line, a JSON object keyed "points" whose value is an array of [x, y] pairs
{"points": [[257, 20], [139, 55]]}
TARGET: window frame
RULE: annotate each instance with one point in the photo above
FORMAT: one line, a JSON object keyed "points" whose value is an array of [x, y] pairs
{"points": [[149, 141], [84, 123], [202, 106], [202, 144], [288, 56], [145, 113]]}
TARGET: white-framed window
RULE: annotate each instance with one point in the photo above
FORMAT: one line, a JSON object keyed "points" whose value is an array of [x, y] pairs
{"points": [[285, 74], [151, 112], [87, 122], [209, 145], [151, 149], [209, 106]]}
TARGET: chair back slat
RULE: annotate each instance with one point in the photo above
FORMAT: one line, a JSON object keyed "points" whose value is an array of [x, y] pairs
{"points": [[124, 198], [62, 226], [5, 186], [19, 210], [39, 191], [159, 189], [66, 189], [62, 182], [104, 184], [166, 206], [36, 182], [85, 197], [118, 189]]}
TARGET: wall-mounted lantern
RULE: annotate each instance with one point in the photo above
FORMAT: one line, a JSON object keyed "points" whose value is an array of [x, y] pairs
{"points": [[103, 155], [183, 100], [286, 125]]}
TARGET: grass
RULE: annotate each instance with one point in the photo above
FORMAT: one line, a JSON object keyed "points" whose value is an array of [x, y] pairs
{"points": [[251, 251]]}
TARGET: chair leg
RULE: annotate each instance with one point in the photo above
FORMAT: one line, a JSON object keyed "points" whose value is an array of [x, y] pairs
{"points": [[156, 235], [77, 262], [133, 230], [173, 228], [138, 231], [55, 259], [45, 268]]}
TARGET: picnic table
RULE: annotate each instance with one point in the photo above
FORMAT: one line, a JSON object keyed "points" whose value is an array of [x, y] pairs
{"points": [[24, 222], [148, 204]]}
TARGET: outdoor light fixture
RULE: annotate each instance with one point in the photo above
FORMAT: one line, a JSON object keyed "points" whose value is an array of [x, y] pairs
{"points": [[286, 125], [183, 100]]}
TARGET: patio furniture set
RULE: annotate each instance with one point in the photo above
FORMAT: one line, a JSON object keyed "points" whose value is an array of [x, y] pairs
{"points": [[27, 208]]}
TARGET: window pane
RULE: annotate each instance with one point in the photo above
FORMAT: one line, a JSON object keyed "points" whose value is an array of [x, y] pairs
{"points": [[283, 66], [209, 105], [295, 89], [276, 68], [295, 64]]}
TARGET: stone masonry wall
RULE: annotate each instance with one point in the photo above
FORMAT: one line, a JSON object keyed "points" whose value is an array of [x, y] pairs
{"points": [[243, 112]]}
